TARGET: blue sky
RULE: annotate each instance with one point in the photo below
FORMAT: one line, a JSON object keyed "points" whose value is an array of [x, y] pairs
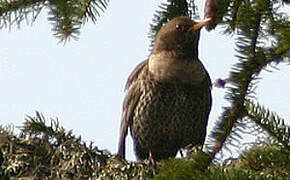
{"points": [[82, 82]]}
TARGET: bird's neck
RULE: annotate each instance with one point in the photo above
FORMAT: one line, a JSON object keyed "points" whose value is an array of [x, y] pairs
{"points": [[166, 67], [177, 50]]}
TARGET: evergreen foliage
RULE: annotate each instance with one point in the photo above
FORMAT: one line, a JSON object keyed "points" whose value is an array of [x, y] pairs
{"points": [[259, 162], [270, 122], [66, 16], [253, 24], [263, 39], [45, 150]]}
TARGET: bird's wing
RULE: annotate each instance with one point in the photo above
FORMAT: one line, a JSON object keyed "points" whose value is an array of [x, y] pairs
{"points": [[130, 101], [209, 84], [134, 75]]}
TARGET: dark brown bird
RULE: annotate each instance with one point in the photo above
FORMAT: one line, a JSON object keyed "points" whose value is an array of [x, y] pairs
{"points": [[168, 98]]}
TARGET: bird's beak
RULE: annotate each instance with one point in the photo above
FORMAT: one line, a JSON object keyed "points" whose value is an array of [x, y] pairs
{"points": [[201, 24]]}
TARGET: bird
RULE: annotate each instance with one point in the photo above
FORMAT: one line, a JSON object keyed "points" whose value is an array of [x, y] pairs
{"points": [[168, 96]]}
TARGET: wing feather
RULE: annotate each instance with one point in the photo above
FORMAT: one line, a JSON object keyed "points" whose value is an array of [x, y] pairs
{"points": [[132, 96]]}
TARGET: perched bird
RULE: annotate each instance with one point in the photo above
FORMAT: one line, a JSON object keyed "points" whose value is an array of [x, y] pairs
{"points": [[168, 98]]}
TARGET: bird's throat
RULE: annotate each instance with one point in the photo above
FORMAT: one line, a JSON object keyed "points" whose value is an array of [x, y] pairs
{"points": [[165, 67]]}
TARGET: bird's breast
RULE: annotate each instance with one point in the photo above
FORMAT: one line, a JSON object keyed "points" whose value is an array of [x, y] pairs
{"points": [[166, 67]]}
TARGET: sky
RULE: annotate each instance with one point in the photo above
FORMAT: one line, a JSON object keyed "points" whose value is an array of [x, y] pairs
{"points": [[82, 82]]}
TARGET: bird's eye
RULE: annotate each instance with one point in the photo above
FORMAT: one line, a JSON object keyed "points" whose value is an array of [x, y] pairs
{"points": [[181, 27]]}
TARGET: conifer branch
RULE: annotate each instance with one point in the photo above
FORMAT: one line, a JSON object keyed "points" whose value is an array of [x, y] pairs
{"points": [[92, 8], [37, 154], [241, 79], [66, 16], [48, 151], [252, 58], [280, 28], [267, 161], [16, 11], [269, 122], [224, 12]]}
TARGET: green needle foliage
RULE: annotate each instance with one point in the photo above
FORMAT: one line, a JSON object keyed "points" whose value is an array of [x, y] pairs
{"points": [[42, 151], [48, 151], [270, 123], [45, 150], [259, 162], [66, 16], [253, 24]]}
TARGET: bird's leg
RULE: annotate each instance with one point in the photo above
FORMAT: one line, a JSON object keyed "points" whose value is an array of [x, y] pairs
{"points": [[191, 149], [151, 160], [152, 163], [181, 153]]}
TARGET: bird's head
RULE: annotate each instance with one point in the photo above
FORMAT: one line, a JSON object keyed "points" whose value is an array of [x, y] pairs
{"points": [[175, 52], [180, 35]]}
